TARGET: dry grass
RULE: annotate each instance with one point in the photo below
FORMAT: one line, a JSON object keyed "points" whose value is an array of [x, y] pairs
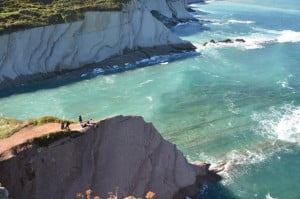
{"points": [[9, 126], [18, 15]]}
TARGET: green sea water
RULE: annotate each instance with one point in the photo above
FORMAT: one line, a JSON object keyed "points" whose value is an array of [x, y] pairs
{"points": [[237, 104]]}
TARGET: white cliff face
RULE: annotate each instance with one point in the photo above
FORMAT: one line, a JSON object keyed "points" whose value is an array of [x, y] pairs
{"points": [[168, 8], [99, 36], [179, 8]]}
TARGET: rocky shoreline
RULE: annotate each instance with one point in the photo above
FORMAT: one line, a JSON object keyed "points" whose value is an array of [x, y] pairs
{"points": [[126, 61]]}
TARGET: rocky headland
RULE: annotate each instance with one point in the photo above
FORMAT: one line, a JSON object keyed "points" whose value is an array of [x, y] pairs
{"points": [[122, 151]]}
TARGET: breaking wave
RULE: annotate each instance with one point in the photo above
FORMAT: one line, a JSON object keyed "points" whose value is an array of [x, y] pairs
{"points": [[257, 40], [235, 159], [234, 21], [162, 59], [268, 196], [219, 22], [280, 123]]}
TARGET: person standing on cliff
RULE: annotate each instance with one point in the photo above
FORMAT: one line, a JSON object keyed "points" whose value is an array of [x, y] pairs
{"points": [[67, 126], [62, 125]]}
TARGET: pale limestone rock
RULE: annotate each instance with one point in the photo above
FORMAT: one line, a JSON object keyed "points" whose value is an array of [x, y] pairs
{"points": [[168, 8], [99, 36]]}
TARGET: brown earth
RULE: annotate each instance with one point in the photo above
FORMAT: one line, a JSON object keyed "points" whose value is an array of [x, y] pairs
{"points": [[27, 133]]}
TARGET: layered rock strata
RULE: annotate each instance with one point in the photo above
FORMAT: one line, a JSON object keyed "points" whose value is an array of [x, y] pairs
{"points": [[99, 36]]}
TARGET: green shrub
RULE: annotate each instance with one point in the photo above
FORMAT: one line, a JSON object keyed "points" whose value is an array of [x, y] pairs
{"points": [[18, 15], [9, 126], [45, 120]]}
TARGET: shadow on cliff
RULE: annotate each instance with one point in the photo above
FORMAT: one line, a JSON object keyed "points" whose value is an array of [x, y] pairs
{"points": [[190, 28], [211, 188], [215, 191]]}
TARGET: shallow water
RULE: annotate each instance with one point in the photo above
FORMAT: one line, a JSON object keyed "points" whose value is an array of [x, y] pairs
{"points": [[237, 103]]}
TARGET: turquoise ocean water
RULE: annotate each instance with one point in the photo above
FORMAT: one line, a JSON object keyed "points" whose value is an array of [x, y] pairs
{"points": [[237, 104]]}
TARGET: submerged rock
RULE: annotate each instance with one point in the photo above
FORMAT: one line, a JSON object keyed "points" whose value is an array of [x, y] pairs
{"points": [[240, 40], [122, 151], [226, 41]]}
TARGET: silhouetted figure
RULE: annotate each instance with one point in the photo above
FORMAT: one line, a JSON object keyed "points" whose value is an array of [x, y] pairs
{"points": [[92, 122], [62, 125], [82, 124], [67, 125]]}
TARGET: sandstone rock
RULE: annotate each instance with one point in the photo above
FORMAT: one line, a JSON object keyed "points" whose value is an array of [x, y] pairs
{"points": [[122, 151]]}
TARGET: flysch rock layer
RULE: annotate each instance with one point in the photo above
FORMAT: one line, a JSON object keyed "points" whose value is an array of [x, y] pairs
{"points": [[99, 36], [122, 151]]}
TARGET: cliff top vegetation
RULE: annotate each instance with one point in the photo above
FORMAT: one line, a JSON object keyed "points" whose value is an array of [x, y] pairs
{"points": [[9, 126], [18, 15]]}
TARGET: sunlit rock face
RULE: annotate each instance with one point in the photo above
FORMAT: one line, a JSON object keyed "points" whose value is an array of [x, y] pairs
{"points": [[99, 36]]}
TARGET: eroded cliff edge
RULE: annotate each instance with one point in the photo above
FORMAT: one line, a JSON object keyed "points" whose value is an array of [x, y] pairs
{"points": [[99, 36], [121, 151]]}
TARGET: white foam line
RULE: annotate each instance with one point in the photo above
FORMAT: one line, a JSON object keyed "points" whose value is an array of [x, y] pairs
{"points": [[280, 123], [257, 40], [234, 21]]}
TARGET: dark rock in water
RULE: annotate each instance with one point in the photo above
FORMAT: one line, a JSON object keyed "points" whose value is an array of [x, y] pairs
{"points": [[226, 41], [240, 40], [213, 41], [205, 44], [189, 9]]}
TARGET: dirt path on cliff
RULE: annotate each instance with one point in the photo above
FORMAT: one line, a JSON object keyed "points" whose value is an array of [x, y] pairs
{"points": [[30, 132]]}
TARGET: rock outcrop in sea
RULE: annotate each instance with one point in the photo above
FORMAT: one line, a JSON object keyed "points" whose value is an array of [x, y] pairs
{"points": [[121, 151], [100, 35]]}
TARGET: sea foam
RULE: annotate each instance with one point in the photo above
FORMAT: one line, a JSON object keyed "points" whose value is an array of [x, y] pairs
{"points": [[234, 21], [268, 196], [280, 123], [232, 160], [257, 39]]}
